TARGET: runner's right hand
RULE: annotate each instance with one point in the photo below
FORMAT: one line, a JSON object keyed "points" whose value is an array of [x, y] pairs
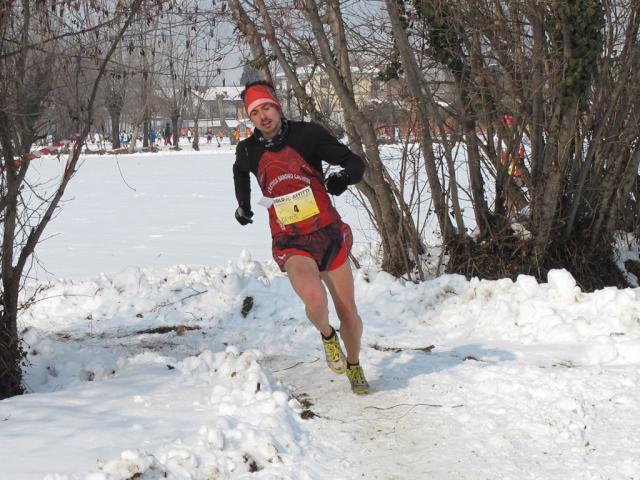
{"points": [[244, 216]]}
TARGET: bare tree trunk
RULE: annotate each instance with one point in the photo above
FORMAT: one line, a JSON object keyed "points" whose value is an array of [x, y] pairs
{"points": [[223, 120], [10, 373], [536, 94], [557, 154], [480, 207], [195, 143], [146, 117], [453, 192], [175, 117], [115, 127]]}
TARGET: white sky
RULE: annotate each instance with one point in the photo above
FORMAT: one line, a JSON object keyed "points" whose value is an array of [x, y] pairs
{"points": [[470, 380]]}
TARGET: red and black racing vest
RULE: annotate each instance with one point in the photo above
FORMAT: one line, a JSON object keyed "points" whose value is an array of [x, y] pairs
{"points": [[284, 172], [290, 167]]}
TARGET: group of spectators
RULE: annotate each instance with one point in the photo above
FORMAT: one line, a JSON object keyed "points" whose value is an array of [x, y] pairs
{"points": [[164, 136]]}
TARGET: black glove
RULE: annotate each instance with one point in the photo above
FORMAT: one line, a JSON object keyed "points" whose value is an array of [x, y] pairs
{"points": [[337, 182], [244, 216]]}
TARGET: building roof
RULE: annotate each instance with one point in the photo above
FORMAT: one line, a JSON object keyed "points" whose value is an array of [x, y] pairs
{"points": [[231, 92], [304, 71]]}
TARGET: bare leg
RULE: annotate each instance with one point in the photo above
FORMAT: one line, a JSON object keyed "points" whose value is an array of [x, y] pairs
{"points": [[340, 284], [305, 278]]}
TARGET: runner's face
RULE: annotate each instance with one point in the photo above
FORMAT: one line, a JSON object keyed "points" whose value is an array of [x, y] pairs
{"points": [[267, 119]]}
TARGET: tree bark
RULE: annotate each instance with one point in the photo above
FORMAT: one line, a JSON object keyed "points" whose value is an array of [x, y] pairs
{"points": [[114, 114], [10, 373], [175, 129], [146, 117]]}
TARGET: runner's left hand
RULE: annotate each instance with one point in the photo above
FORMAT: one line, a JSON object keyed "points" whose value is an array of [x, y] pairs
{"points": [[337, 182]]}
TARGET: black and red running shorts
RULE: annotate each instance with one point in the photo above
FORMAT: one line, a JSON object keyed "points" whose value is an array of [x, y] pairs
{"points": [[329, 246]]}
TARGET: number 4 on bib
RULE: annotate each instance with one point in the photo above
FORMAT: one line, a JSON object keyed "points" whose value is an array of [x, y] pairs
{"points": [[295, 207]]}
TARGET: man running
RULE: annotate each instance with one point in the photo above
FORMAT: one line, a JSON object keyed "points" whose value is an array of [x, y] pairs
{"points": [[310, 241]]}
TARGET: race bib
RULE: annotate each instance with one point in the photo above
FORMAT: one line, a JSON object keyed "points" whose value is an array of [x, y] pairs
{"points": [[296, 206]]}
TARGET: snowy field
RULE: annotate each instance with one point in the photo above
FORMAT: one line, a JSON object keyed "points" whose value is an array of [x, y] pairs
{"points": [[164, 343], [155, 210]]}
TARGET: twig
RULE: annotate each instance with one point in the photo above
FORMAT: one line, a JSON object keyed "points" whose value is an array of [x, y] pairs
{"points": [[158, 307], [295, 365], [414, 405], [65, 295], [122, 176], [381, 348]]}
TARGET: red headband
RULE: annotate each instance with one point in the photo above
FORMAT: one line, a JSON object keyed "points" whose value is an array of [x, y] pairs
{"points": [[259, 95]]}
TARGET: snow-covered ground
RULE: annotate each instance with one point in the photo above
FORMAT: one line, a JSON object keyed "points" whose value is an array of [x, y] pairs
{"points": [[190, 356]]}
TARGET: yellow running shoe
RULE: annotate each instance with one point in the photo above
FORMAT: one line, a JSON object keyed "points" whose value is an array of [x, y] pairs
{"points": [[333, 354], [359, 384]]}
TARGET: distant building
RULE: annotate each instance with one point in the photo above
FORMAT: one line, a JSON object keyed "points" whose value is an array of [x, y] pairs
{"points": [[319, 87], [222, 107], [371, 95], [386, 103]]}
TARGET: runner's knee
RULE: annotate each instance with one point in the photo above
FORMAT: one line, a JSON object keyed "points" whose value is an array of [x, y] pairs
{"points": [[315, 300], [347, 313]]}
